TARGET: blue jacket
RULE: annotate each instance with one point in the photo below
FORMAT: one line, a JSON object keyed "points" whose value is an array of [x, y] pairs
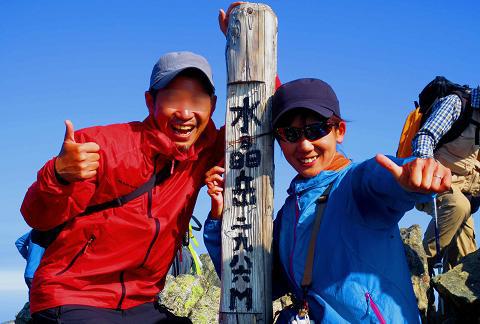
{"points": [[358, 251], [31, 252]]}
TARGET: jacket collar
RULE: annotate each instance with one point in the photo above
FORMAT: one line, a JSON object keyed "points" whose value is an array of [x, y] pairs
{"points": [[157, 143], [324, 178]]}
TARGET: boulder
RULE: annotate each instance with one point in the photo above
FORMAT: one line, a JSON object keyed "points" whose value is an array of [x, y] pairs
{"points": [[198, 296], [417, 262], [460, 288], [191, 296], [194, 296], [208, 270]]}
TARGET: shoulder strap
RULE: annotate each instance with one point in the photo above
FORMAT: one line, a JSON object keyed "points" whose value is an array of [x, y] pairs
{"points": [[463, 121], [322, 203], [45, 238], [155, 180]]}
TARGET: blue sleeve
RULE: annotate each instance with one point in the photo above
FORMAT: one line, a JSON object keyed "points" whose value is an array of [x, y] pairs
{"points": [[213, 241], [22, 244], [381, 200], [35, 254]]}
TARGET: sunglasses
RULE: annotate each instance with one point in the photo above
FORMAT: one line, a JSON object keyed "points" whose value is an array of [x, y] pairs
{"points": [[311, 132]]}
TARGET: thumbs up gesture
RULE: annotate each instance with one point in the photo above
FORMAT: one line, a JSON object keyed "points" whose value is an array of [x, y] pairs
{"points": [[76, 161], [419, 175]]}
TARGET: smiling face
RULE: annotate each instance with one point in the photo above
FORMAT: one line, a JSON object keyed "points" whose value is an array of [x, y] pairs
{"points": [[309, 158], [182, 110]]}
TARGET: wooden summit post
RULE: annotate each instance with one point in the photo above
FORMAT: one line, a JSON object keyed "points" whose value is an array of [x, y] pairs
{"points": [[251, 55]]}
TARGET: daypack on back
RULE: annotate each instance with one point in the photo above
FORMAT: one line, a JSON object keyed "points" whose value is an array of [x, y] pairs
{"points": [[438, 88]]}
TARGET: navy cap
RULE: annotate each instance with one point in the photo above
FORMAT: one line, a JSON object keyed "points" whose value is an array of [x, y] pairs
{"points": [[171, 64], [313, 94]]}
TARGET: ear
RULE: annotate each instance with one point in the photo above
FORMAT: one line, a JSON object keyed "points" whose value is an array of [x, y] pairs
{"points": [[340, 131], [150, 102], [213, 101]]}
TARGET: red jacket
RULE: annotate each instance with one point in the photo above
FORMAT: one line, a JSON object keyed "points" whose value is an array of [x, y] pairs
{"points": [[117, 258]]}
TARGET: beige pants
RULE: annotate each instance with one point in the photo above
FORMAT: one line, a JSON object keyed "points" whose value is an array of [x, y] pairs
{"points": [[455, 225]]}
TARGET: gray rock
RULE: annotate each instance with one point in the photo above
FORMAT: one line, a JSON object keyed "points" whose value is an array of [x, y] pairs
{"points": [[198, 296], [417, 262], [460, 287], [191, 296], [194, 296], [208, 270]]}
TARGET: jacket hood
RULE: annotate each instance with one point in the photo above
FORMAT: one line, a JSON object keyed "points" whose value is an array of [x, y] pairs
{"points": [[156, 142]]}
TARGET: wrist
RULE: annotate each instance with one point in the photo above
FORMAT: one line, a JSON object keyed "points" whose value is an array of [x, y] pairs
{"points": [[59, 178]]}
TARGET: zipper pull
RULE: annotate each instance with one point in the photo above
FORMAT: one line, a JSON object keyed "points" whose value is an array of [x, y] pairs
{"points": [[173, 165], [376, 310], [89, 242]]}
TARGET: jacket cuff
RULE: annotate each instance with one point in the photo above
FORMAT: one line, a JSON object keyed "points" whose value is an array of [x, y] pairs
{"points": [[49, 182], [212, 223], [59, 178]]}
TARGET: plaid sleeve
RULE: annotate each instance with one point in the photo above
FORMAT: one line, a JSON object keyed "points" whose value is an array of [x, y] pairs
{"points": [[476, 97], [445, 112]]}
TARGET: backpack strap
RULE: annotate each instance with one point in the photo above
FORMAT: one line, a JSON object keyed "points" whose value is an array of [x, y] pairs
{"points": [[463, 121], [45, 238], [307, 274], [155, 180]]}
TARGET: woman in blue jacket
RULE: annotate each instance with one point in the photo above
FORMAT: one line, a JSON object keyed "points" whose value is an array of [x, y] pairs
{"points": [[359, 272]]}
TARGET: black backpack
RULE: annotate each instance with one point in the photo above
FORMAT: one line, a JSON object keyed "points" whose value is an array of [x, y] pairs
{"points": [[441, 87]]}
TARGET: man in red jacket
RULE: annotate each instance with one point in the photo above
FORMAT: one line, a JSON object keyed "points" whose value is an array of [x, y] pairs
{"points": [[122, 195]]}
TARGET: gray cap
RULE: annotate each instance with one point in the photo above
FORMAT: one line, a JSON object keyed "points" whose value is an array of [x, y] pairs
{"points": [[171, 64]]}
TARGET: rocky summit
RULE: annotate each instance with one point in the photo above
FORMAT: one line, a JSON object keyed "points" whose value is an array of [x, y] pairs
{"points": [[460, 288], [198, 296]]}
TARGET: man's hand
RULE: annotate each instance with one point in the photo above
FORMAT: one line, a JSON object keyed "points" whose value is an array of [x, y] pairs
{"points": [[419, 175], [76, 161], [215, 182], [223, 17]]}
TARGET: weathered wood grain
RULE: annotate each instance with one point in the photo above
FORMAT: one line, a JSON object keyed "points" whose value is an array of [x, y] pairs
{"points": [[251, 54]]}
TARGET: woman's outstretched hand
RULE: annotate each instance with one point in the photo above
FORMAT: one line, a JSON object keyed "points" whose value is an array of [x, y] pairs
{"points": [[419, 175]]}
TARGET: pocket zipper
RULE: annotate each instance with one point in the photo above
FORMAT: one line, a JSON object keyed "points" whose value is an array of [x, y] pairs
{"points": [[82, 251], [376, 310]]}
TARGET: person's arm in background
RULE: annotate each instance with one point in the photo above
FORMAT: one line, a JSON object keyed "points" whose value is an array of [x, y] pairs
{"points": [[22, 244], [65, 184], [444, 113]]}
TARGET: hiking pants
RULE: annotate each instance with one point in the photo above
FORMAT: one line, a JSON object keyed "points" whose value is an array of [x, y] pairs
{"points": [[75, 314], [455, 225]]}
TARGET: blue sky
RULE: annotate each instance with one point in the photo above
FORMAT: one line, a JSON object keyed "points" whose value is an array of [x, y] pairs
{"points": [[90, 62]]}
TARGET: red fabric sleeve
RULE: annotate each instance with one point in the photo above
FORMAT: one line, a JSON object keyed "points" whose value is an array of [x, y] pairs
{"points": [[49, 203]]}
